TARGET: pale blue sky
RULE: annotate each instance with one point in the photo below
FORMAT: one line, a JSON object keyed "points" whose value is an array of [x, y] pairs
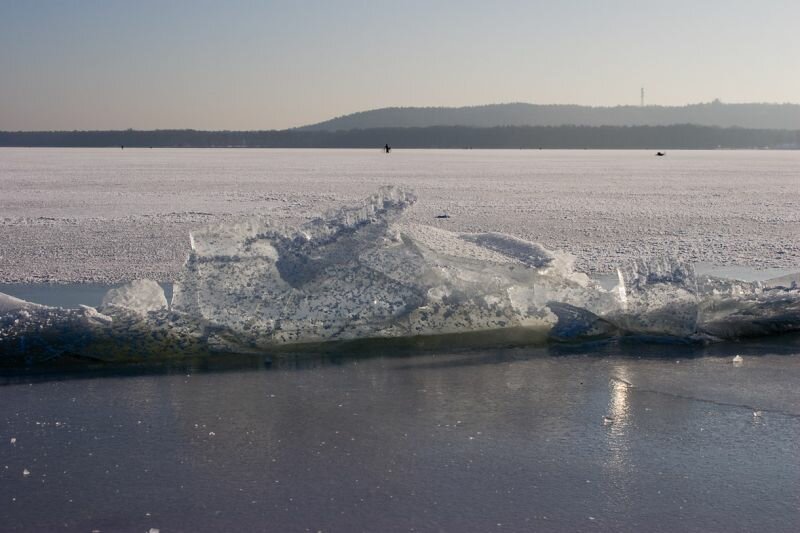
{"points": [[273, 64]]}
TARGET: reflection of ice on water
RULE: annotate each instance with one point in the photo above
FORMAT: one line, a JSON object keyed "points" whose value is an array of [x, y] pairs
{"points": [[618, 460], [618, 404], [618, 410]]}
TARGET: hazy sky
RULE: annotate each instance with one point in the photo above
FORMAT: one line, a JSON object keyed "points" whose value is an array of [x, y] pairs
{"points": [[94, 64]]}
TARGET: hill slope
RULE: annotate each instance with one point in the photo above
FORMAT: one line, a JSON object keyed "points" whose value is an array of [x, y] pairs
{"points": [[759, 116]]}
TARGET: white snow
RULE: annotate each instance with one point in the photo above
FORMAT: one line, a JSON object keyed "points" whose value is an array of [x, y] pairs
{"points": [[108, 216]]}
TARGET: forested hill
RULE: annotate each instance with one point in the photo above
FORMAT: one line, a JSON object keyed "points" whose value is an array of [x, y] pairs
{"points": [[611, 137], [759, 116]]}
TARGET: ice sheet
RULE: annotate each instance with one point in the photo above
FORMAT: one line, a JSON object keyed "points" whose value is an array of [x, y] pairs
{"points": [[112, 216]]}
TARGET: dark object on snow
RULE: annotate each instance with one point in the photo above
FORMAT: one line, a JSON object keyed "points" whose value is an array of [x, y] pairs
{"points": [[661, 154], [443, 216], [387, 148]]}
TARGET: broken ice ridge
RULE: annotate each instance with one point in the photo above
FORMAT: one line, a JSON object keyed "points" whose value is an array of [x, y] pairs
{"points": [[362, 272]]}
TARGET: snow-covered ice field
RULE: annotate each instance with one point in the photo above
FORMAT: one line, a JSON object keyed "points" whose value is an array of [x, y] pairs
{"points": [[111, 215], [611, 435]]}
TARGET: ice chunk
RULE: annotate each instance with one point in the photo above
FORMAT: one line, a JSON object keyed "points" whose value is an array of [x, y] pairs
{"points": [[789, 281], [357, 274], [361, 272], [9, 303], [577, 323], [733, 308], [659, 297], [139, 296], [92, 314]]}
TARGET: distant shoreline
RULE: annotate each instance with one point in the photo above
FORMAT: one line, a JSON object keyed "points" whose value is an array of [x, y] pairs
{"points": [[680, 136], [380, 148]]}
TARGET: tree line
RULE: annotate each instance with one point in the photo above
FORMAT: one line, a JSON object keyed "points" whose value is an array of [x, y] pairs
{"points": [[528, 137]]}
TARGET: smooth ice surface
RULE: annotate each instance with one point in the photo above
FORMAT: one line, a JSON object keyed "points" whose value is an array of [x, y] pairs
{"points": [[58, 294], [459, 442], [111, 216]]}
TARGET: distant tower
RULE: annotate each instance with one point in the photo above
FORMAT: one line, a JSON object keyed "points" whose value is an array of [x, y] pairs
{"points": [[642, 96]]}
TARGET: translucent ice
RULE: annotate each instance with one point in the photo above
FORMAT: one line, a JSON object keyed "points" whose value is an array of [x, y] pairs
{"points": [[361, 273], [658, 297], [141, 296]]}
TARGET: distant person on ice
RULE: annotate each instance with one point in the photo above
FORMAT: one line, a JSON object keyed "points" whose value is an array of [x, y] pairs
{"points": [[387, 148]]}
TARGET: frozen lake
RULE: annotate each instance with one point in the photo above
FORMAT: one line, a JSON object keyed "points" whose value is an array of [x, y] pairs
{"points": [[606, 435], [110, 215]]}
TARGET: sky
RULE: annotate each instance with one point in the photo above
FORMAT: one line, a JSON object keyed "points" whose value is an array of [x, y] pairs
{"points": [[241, 64]]}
